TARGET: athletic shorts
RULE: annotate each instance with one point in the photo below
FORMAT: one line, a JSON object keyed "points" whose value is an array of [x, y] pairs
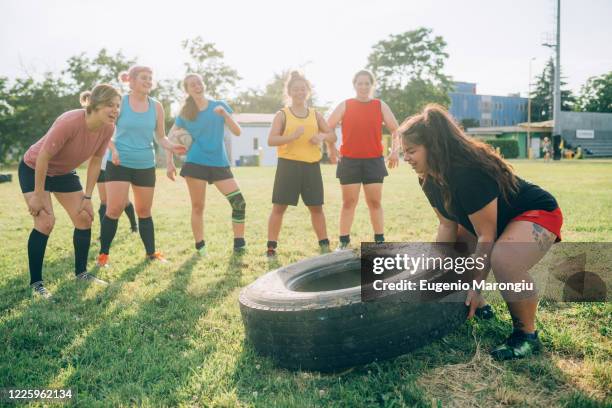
{"points": [[206, 173], [361, 171], [102, 176], [294, 178], [550, 220], [138, 177], [66, 183]]}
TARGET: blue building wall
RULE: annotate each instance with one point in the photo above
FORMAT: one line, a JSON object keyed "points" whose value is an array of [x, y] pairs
{"points": [[488, 110]]}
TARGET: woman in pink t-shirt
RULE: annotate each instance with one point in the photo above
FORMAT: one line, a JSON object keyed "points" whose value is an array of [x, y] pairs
{"points": [[49, 167]]}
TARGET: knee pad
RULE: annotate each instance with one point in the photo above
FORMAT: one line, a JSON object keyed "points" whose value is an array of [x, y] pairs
{"points": [[238, 204]]}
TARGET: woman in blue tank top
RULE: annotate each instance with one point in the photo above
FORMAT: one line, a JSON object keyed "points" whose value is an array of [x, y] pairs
{"points": [[132, 161]]}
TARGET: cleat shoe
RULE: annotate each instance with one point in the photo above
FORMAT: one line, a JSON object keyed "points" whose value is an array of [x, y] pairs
{"points": [[88, 277], [240, 250], [324, 249], [343, 245], [271, 253], [518, 345], [39, 290], [201, 251], [102, 261], [157, 256]]}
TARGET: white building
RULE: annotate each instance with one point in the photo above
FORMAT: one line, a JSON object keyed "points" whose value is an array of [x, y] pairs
{"points": [[253, 141]]}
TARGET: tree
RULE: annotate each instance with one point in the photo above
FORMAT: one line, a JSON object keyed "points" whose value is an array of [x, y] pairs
{"points": [[207, 61], [86, 72], [271, 99], [542, 95], [409, 71], [596, 94], [28, 108]]}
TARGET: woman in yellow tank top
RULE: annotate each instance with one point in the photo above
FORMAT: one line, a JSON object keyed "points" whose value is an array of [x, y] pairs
{"points": [[298, 131]]}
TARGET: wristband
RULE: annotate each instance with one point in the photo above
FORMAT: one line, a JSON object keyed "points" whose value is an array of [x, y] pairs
{"points": [[86, 197]]}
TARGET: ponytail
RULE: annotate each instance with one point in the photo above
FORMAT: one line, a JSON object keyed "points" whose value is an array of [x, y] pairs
{"points": [[102, 94]]}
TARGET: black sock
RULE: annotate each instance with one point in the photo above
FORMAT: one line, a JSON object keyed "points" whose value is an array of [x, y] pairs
{"points": [[147, 234], [129, 211], [239, 242], [272, 244], [379, 238], [107, 234], [101, 213], [200, 244], [345, 239], [324, 242], [37, 243], [81, 238]]}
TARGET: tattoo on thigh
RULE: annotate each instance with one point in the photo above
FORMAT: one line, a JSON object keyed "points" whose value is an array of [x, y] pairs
{"points": [[541, 236]]}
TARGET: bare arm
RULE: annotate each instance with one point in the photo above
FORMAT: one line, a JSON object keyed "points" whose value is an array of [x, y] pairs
{"points": [[170, 167], [160, 133], [93, 171], [485, 226], [324, 129], [114, 153], [275, 137], [230, 122], [42, 166], [391, 124], [329, 136], [37, 202], [447, 230], [336, 116]]}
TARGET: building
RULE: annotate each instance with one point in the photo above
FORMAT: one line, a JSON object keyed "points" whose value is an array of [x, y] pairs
{"points": [[252, 144], [590, 131], [537, 131], [475, 110]]}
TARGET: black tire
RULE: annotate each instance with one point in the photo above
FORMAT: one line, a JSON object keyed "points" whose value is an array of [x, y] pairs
{"points": [[331, 330]]}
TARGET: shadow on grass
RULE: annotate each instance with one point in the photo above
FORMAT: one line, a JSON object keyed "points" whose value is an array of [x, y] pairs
{"points": [[17, 288], [147, 354], [35, 339], [451, 371]]}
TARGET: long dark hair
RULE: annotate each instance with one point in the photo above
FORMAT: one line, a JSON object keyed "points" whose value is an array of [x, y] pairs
{"points": [[448, 145]]}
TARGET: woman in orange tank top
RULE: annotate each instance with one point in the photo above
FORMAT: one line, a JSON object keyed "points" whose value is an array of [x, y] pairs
{"points": [[361, 153]]}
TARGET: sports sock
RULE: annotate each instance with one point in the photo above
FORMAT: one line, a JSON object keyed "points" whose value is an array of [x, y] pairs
{"points": [[129, 211], [37, 243], [147, 234], [107, 233], [81, 238]]}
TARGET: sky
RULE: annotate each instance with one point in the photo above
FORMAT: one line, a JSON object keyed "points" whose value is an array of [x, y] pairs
{"points": [[490, 42]]}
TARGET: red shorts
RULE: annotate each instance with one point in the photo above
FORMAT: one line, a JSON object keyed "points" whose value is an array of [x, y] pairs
{"points": [[551, 220]]}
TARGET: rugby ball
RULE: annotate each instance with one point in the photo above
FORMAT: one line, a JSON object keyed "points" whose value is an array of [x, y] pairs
{"points": [[180, 136]]}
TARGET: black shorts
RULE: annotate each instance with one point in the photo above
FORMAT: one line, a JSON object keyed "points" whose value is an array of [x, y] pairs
{"points": [[357, 171], [66, 183], [138, 177], [206, 173], [294, 178], [102, 176]]}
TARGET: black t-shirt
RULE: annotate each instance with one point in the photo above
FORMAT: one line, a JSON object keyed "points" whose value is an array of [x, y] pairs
{"points": [[472, 189]]}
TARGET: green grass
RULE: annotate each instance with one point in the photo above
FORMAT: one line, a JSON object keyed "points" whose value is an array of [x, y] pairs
{"points": [[172, 334]]}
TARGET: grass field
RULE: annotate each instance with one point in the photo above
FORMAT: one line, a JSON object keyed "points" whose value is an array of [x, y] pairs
{"points": [[168, 335]]}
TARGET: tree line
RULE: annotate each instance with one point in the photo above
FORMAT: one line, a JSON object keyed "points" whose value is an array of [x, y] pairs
{"points": [[409, 68]]}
